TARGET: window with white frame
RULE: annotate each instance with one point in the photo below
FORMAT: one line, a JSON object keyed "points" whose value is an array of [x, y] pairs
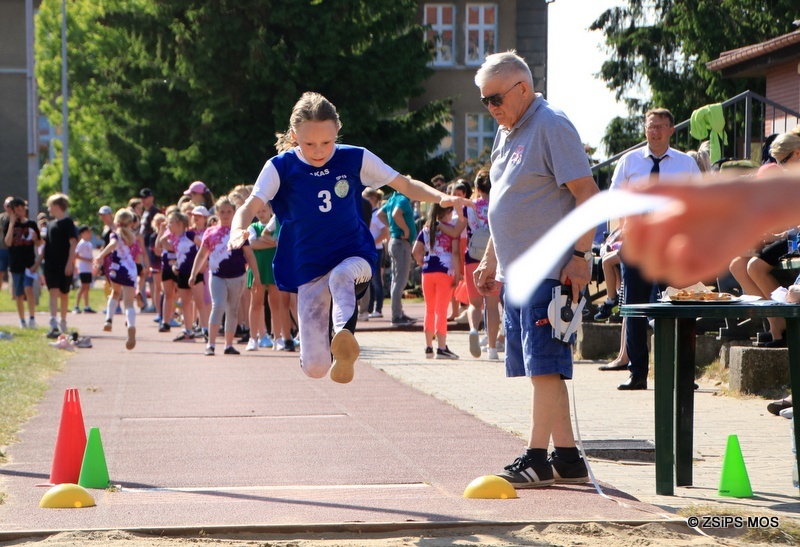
{"points": [[481, 30], [441, 35], [481, 129]]}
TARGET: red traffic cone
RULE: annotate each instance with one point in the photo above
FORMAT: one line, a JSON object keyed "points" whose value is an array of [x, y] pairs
{"points": [[70, 443]]}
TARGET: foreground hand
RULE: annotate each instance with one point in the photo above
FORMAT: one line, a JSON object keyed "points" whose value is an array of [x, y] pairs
{"points": [[695, 238]]}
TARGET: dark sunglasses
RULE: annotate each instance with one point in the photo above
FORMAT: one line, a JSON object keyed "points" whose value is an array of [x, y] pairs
{"points": [[497, 98]]}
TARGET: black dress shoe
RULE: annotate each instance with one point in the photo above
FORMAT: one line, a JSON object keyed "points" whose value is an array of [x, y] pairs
{"points": [[609, 366], [632, 384], [775, 407]]}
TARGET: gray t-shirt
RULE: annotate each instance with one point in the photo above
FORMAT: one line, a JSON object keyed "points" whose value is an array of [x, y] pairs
{"points": [[530, 165]]}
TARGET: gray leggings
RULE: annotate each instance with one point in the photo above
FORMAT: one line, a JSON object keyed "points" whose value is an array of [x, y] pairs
{"points": [[225, 296]]}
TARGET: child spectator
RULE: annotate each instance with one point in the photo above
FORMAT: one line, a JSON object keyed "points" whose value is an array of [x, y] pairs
{"points": [[84, 257], [168, 277], [155, 264], [22, 239], [228, 269], [121, 272], [185, 244], [60, 243], [438, 255], [263, 242]]}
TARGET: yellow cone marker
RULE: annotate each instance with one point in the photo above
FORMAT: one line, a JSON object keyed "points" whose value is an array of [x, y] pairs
{"points": [[66, 496], [490, 487]]}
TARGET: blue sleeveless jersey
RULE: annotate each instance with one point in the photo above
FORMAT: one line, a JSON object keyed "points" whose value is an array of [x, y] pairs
{"points": [[319, 210]]}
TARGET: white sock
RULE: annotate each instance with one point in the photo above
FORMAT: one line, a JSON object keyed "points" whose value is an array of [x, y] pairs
{"points": [[113, 303], [130, 316]]}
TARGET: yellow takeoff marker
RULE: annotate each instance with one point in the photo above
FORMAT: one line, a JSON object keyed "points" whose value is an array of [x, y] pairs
{"points": [[490, 487], [66, 496]]}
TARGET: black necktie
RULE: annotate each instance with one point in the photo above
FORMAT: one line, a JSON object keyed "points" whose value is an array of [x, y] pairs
{"points": [[655, 170]]}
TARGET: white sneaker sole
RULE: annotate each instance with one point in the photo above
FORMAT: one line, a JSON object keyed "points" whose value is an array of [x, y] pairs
{"points": [[345, 350]]}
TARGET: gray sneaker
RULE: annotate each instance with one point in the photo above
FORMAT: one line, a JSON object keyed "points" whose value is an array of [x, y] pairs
{"points": [[568, 473], [523, 473]]}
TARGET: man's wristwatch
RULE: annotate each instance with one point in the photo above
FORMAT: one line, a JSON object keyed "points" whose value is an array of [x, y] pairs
{"points": [[586, 255]]}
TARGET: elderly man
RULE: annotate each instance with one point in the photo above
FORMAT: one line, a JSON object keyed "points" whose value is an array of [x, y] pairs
{"points": [[540, 172], [638, 168]]}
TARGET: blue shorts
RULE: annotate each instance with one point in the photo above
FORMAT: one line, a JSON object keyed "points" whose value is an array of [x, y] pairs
{"points": [[3, 260], [21, 281], [531, 350]]}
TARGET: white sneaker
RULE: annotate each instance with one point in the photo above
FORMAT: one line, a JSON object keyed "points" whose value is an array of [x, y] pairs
{"points": [[22, 324], [252, 344], [363, 316], [484, 341], [32, 323], [279, 344], [63, 326], [500, 346], [493, 355], [376, 314]]}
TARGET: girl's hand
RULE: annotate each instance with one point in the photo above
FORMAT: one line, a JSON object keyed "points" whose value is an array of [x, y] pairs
{"points": [[237, 239], [453, 201]]}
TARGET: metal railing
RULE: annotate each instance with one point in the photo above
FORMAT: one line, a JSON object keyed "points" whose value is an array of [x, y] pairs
{"points": [[753, 119]]}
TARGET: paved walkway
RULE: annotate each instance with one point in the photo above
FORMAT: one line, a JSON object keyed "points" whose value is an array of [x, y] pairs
{"points": [[249, 441], [479, 387]]}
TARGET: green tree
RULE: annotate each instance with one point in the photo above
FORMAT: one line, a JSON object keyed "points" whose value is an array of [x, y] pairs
{"points": [[164, 92], [661, 47]]}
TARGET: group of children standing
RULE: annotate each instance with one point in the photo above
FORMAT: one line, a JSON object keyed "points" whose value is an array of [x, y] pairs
{"points": [[49, 247], [192, 266]]}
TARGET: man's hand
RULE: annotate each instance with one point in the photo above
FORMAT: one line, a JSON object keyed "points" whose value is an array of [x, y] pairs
{"points": [[579, 273], [484, 275]]}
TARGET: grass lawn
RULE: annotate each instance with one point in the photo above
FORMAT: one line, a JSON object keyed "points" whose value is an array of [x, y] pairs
{"points": [[26, 362], [97, 300]]}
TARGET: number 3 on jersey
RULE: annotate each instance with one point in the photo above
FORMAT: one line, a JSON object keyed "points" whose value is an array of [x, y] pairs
{"points": [[325, 196]]}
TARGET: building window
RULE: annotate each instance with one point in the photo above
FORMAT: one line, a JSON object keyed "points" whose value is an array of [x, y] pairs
{"points": [[481, 32], [441, 35], [481, 129]]}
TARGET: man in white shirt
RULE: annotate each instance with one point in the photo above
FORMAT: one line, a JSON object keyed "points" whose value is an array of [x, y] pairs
{"points": [[637, 168]]}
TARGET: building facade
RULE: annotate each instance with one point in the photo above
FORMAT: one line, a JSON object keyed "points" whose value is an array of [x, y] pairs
{"points": [[464, 32], [13, 100], [777, 61]]}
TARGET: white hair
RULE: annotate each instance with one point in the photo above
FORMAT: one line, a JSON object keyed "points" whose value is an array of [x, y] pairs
{"points": [[502, 64]]}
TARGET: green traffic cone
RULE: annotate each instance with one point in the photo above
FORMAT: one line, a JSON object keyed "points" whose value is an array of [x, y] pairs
{"points": [[734, 482], [94, 472]]}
